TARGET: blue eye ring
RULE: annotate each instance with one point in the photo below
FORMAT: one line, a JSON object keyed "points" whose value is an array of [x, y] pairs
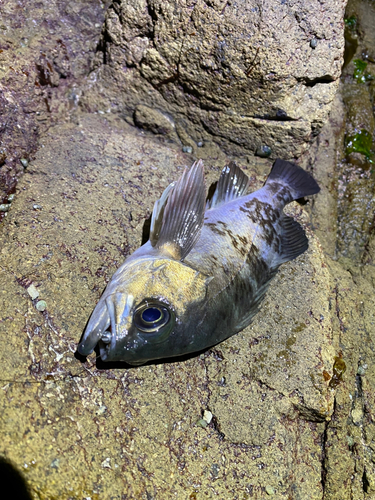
{"points": [[151, 317]]}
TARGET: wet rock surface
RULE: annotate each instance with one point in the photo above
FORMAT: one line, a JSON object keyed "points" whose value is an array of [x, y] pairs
{"points": [[244, 74], [291, 397], [356, 188], [346, 176], [46, 48], [79, 210]]}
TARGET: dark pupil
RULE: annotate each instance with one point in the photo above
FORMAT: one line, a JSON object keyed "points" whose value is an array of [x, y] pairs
{"points": [[151, 315]]}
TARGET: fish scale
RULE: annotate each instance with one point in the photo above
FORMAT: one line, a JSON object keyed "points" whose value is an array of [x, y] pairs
{"points": [[204, 272]]}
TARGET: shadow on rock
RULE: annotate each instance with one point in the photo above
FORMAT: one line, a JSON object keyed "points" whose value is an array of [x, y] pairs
{"points": [[13, 483]]}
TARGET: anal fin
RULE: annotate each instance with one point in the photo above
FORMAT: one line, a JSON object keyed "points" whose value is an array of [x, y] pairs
{"points": [[293, 240]]}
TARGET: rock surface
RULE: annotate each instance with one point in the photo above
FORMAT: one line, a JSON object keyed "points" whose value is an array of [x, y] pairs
{"points": [[79, 210], [292, 396], [46, 48], [245, 74]]}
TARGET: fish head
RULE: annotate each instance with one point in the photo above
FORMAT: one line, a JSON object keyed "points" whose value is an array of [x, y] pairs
{"points": [[149, 309], [146, 312]]}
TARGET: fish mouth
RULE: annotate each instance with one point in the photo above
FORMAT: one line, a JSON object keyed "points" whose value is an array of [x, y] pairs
{"points": [[107, 354], [104, 350], [96, 327], [111, 329], [108, 324]]}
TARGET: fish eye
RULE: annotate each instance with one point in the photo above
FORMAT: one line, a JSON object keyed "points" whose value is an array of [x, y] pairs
{"points": [[151, 317]]}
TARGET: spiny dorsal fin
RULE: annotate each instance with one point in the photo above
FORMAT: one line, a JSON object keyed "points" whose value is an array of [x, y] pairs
{"points": [[183, 214], [157, 214], [233, 183]]}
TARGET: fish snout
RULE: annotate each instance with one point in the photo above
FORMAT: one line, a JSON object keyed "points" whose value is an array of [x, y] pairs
{"points": [[96, 328], [109, 322]]}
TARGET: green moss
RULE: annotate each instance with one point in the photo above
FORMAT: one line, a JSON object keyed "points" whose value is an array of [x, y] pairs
{"points": [[360, 74], [351, 22], [361, 142]]}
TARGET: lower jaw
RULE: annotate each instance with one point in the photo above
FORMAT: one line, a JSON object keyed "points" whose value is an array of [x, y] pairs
{"points": [[106, 355]]}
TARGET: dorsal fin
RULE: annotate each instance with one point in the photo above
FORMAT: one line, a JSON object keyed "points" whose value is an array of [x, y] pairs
{"points": [[233, 183], [157, 214], [183, 214]]}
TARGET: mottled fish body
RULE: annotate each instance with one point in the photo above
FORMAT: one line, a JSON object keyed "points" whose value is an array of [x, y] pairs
{"points": [[204, 272]]}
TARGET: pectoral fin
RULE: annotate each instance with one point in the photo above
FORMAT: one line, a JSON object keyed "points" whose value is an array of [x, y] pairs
{"points": [[183, 214]]}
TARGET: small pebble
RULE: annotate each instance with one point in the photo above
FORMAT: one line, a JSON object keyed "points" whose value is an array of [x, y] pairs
{"points": [[102, 409], [41, 305], [207, 416], [11, 197], [37, 207], [263, 151], [187, 149], [24, 162], [200, 144], [33, 292], [4, 207], [106, 464], [362, 369], [270, 490], [281, 114], [313, 43], [55, 463]]}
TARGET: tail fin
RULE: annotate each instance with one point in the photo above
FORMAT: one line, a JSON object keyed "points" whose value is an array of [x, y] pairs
{"points": [[299, 182]]}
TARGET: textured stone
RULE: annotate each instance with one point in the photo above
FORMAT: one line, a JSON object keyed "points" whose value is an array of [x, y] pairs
{"points": [[243, 72], [153, 120], [45, 49], [109, 430], [285, 420]]}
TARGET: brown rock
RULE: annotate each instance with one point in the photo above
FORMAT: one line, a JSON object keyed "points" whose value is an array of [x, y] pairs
{"points": [[132, 431], [153, 120]]}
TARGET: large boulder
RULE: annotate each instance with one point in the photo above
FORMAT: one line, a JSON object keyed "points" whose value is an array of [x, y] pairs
{"points": [[253, 76]]}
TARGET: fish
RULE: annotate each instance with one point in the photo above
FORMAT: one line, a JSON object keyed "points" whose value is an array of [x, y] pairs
{"points": [[203, 273]]}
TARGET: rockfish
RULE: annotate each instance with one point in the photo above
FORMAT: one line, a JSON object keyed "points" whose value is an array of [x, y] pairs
{"points": [[204, 271]]}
